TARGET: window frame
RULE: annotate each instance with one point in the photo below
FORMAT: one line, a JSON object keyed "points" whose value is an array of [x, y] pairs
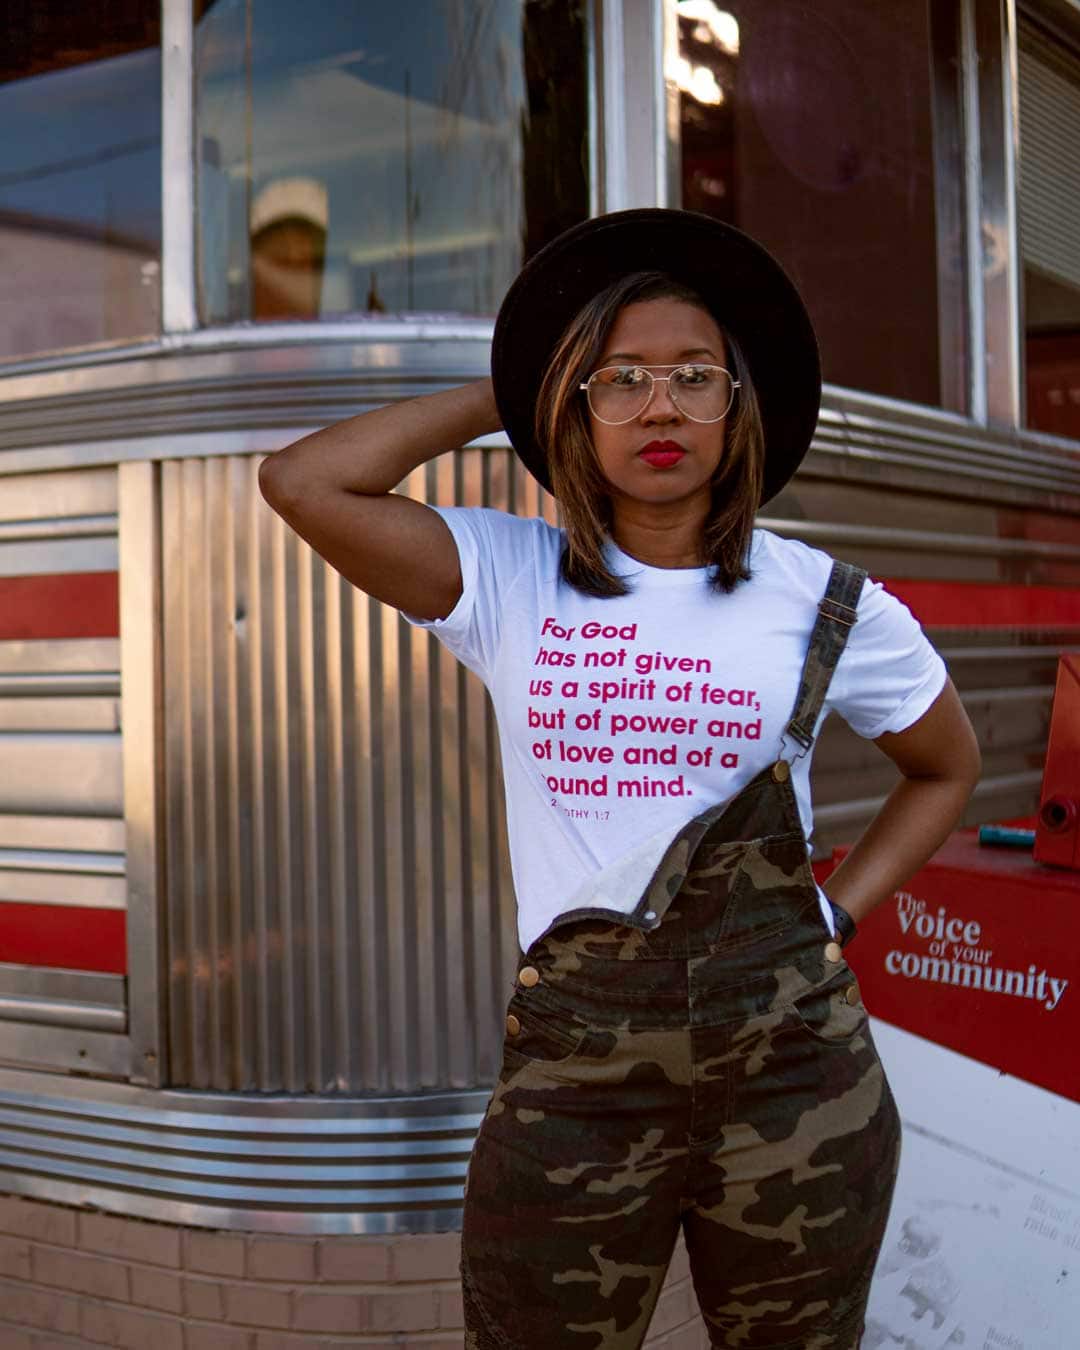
{"points": [[1059, 20], [988, 122], [632, 45]]}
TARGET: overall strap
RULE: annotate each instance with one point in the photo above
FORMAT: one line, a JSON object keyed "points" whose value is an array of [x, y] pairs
{"points": [[835, 620]]}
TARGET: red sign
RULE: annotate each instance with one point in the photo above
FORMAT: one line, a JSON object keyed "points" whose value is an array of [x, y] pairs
{"points": [[980, 952]]}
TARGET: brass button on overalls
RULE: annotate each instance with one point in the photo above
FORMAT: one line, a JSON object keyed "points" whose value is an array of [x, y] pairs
{"points": [[528, 976]]}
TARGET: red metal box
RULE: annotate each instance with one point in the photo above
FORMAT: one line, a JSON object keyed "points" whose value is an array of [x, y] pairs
{"points": [[1057, 837], [981, 953]]}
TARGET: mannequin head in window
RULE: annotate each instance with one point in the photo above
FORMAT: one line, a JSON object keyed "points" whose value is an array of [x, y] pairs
{"points": [[289, 220]]}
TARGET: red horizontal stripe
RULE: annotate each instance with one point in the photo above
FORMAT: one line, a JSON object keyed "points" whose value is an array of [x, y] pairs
{"points": [[66, 936], [67, 605], [978, 604]]}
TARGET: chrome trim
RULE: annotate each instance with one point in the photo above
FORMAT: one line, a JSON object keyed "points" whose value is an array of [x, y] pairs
{"points": [[593, 95], [244, 400], [63, 372], [57, 656], [76, 773], [974, 248], [82, 493], [80, 1050], [178, 199], [668, 134], [260, 1164], [88, 835], [62, 1012], [44, 885], [949, 91], [1036, 693], [641, 71], [1029, 781], [62, 861], [44, 684], [69, 527], [52, 714], [1015, 372], [616, 170], [841, 819], [80, 986], [634, 103], [143, 717], [995, 37], [919, 541], [976, 652], [58, 554]]}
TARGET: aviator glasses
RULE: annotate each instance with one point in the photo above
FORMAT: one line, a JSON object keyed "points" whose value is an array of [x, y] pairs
{"points": [[618, 394]]}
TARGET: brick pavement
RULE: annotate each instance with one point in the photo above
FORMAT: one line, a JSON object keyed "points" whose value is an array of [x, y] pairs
{"points": [[79, 1280]]}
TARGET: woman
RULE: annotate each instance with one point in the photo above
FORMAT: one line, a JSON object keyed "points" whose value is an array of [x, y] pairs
{"points": [[685, 1046]]}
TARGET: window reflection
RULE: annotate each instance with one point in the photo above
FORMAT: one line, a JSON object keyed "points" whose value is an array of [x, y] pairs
{"points": [[1049, 210], [383, 158], [80, 175], [829, 130]]}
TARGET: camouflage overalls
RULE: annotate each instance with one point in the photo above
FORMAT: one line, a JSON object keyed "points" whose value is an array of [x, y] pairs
{"points": [[703, 1062]]}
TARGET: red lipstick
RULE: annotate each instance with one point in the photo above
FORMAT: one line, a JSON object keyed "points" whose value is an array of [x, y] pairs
{"points": [[662, 454]]}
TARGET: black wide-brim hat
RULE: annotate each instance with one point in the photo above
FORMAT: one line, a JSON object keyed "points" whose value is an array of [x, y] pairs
{"points": [[744, 287]]}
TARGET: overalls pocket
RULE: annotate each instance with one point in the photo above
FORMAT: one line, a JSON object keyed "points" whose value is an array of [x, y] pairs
{"points": [[832, 1012], [538, 1033]]}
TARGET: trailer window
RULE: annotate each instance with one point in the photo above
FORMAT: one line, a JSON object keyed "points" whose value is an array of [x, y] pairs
{"points": [[829, 130], [80, 173], [1049, 212], [382, 158]]}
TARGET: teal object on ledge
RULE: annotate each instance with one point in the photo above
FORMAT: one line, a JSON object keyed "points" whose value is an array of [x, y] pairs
{"points": [[1006, 836]]}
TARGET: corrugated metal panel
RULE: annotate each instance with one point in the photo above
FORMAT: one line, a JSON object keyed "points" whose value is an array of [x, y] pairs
{"points": [[339, 909], [340, 912], [1049, 195]]}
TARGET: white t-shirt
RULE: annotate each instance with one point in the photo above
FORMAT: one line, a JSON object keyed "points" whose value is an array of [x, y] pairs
{"points": [[621, 719]]}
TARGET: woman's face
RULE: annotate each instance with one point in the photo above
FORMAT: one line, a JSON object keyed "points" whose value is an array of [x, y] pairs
{"points": [[661, 457]]}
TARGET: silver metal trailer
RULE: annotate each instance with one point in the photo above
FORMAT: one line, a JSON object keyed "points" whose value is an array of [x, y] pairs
{"points": [[264, 809]]}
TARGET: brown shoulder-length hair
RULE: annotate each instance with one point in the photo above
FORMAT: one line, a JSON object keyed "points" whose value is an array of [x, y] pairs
{"points": [[562, 430]]}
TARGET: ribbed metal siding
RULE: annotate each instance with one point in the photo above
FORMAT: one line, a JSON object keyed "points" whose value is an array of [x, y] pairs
{"points": [[339, 910], [1049, 196], [339, 915]]}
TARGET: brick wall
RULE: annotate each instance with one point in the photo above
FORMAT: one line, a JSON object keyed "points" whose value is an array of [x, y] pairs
{"points": [[72, 1279]]}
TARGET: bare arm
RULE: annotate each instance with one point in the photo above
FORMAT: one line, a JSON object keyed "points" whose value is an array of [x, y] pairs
{"points": [[335, 489], [939, 760]]}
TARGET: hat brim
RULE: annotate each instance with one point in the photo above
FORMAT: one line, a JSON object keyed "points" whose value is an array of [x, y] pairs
{"points": [[744, 287]]}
